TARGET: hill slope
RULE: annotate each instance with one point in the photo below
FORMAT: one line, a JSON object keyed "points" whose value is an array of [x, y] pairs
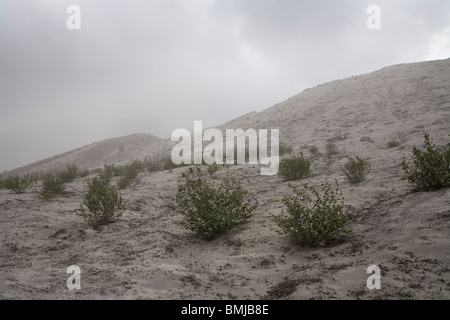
{"points": [[390, 103], [109, 151], [145, 255]]}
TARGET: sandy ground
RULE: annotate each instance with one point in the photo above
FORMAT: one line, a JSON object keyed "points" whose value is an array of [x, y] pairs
{"points": [[146, 256]]}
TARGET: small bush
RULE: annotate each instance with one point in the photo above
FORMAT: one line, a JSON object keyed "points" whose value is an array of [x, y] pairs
{"points": [[294, 167], [129, 174], [314, 151], [70, 174], [104, 204], [331, 149], [284, 149], [393, 143], [52, 186], [356, 169], [313, 218], [18, 184], [211, 209], [430, 167]]}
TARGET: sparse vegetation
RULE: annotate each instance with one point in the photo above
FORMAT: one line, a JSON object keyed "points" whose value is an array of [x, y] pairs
{"points": [[52, 186], [130, 173], [213, 168], [331, 149], [235, 155], [96, 171], [430, 167], [18, 184], [83, 173], [313, 217], [314, 151], [68, 175], [294, 167], [210, 209], [104, 204], [111, 170], [285, 149], [356, 169], [167, 164], [393, 143], [152, 165]]}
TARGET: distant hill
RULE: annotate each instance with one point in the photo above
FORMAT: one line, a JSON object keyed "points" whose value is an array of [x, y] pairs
{"points": [[95, 155]]}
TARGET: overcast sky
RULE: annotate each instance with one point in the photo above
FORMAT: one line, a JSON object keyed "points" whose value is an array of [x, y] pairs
{"points": [[155, 66]]}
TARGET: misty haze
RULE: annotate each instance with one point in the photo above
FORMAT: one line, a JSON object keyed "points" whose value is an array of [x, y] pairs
{"points": [[91, 93]]}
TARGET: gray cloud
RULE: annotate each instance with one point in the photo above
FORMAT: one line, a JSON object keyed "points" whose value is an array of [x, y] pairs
{"points": [[154, 66]]}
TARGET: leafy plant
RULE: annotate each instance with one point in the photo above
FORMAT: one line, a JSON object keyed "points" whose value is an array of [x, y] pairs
{"points": [[52, 186], [210, 209], [430, 167], [331, 149], [18, 184], [356, 169], [313, 217], [294, 167], [104, 204], [393, 143]]}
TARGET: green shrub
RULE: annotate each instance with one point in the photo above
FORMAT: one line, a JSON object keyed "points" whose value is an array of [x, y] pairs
{"points": [[104, 204], [52, 186], [18, 184], [284, 149], [313, 218], [356, 169], [430, 168], [393, 143], [314, 151], [70, 174], [129, 174], [331, 149], [211, 209], [294, 167]]}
